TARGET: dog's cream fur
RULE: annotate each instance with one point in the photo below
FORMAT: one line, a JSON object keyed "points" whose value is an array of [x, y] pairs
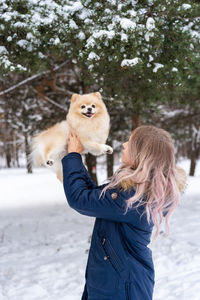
{"points": [[88, 118]]}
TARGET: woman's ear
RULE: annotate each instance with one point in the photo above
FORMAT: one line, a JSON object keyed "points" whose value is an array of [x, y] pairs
{"points": [[74, 97]]}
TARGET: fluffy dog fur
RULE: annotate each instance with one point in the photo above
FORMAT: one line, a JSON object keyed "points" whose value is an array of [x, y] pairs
{"points": [[88, 118]]}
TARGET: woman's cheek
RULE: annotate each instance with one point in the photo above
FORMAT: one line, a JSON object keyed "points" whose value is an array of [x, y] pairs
{"points": [[123, 159]]}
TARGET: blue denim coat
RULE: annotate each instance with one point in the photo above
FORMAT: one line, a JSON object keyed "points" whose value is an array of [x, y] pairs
{"points": [[119, 265]]}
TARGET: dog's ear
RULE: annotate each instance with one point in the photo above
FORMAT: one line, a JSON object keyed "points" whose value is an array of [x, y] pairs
{"points": [[98, 95], [74, 97]]}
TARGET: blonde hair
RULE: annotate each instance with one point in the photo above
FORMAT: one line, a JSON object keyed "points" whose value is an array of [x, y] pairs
{"points": [[153, 173]]}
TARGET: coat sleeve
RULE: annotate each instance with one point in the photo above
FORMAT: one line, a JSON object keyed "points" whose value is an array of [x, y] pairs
{"points": [[83, 195], [90, 182]]}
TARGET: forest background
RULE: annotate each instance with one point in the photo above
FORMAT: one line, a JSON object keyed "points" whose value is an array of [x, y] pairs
{"points": [[143, 56]]}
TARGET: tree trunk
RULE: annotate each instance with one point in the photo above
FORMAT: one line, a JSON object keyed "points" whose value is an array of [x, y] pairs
{"points": [[14, 150], [8, 155], [91, 165], [28, 164], [17, 157], [110, 162], [6, 136], [194, 154], [192, 163], [136, 121]]}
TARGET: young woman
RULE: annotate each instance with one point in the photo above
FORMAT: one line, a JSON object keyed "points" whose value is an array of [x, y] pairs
{"points": [[141, 192]]}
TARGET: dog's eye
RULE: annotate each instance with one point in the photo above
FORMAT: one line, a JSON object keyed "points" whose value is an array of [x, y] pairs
{"points": [[82, 106], [93, 105]]}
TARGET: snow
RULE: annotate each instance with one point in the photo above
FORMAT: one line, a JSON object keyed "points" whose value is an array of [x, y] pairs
{"points": [[130, 62], [150, 24], [132, 12], [84, 14], [151, 58], [20, 24], [22, 43], [56, 41], [174, 69], [43, 241], [20, 67], [3, 50], [104, 33], [36, 19], [157, 67], [81, 35], [76, 6], [29, 36], [72, 25], [94, 56], [124, 37], [113, 2], [147, 35], [90, 42], [127, 24], [101, 34], [171, 114], [6, 16], [186, 6]]}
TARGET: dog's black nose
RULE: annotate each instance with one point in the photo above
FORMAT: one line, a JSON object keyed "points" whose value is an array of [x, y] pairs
{"points": [[89, 109]]}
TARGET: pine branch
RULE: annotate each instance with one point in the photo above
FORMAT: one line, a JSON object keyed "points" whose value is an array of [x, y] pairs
{"points": [[25, 81], [10, 89], [55, 104]]}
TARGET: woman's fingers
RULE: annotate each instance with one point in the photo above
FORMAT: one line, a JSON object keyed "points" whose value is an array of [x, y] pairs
{"points": [[73, 135], [74, 144], [70, 135]]}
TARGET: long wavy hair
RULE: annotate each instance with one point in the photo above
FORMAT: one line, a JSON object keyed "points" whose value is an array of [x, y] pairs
{"points": [[153, 173]]}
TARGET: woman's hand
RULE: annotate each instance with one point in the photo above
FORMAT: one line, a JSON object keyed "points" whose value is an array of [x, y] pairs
{"points": [[74, 144]]}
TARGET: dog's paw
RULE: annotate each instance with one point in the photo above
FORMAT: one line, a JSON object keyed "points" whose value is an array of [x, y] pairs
{"points": [[107, 149], [50, 162]]}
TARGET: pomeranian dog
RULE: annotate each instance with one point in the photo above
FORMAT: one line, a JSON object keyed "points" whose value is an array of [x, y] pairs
{"points": [[88, 119]]}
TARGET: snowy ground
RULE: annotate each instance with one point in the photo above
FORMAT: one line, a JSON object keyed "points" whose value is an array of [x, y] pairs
{"points": [[43, 242]]}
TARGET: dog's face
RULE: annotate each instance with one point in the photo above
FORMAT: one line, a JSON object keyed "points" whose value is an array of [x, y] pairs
{"points": [[87, 106], [88, 109]]}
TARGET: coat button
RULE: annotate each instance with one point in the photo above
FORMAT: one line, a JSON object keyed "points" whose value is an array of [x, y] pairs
{"points": [[106, 257], [103, 241], [114, 196]]}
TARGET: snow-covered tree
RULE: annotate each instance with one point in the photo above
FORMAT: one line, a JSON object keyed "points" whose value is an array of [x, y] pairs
{"points": [[137, 53]]}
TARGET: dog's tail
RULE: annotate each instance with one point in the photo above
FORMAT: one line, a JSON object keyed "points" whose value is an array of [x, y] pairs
{"points": [[35, 157]]}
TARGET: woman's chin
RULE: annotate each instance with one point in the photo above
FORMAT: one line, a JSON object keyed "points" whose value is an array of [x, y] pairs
{"points": [[122, 160]]}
